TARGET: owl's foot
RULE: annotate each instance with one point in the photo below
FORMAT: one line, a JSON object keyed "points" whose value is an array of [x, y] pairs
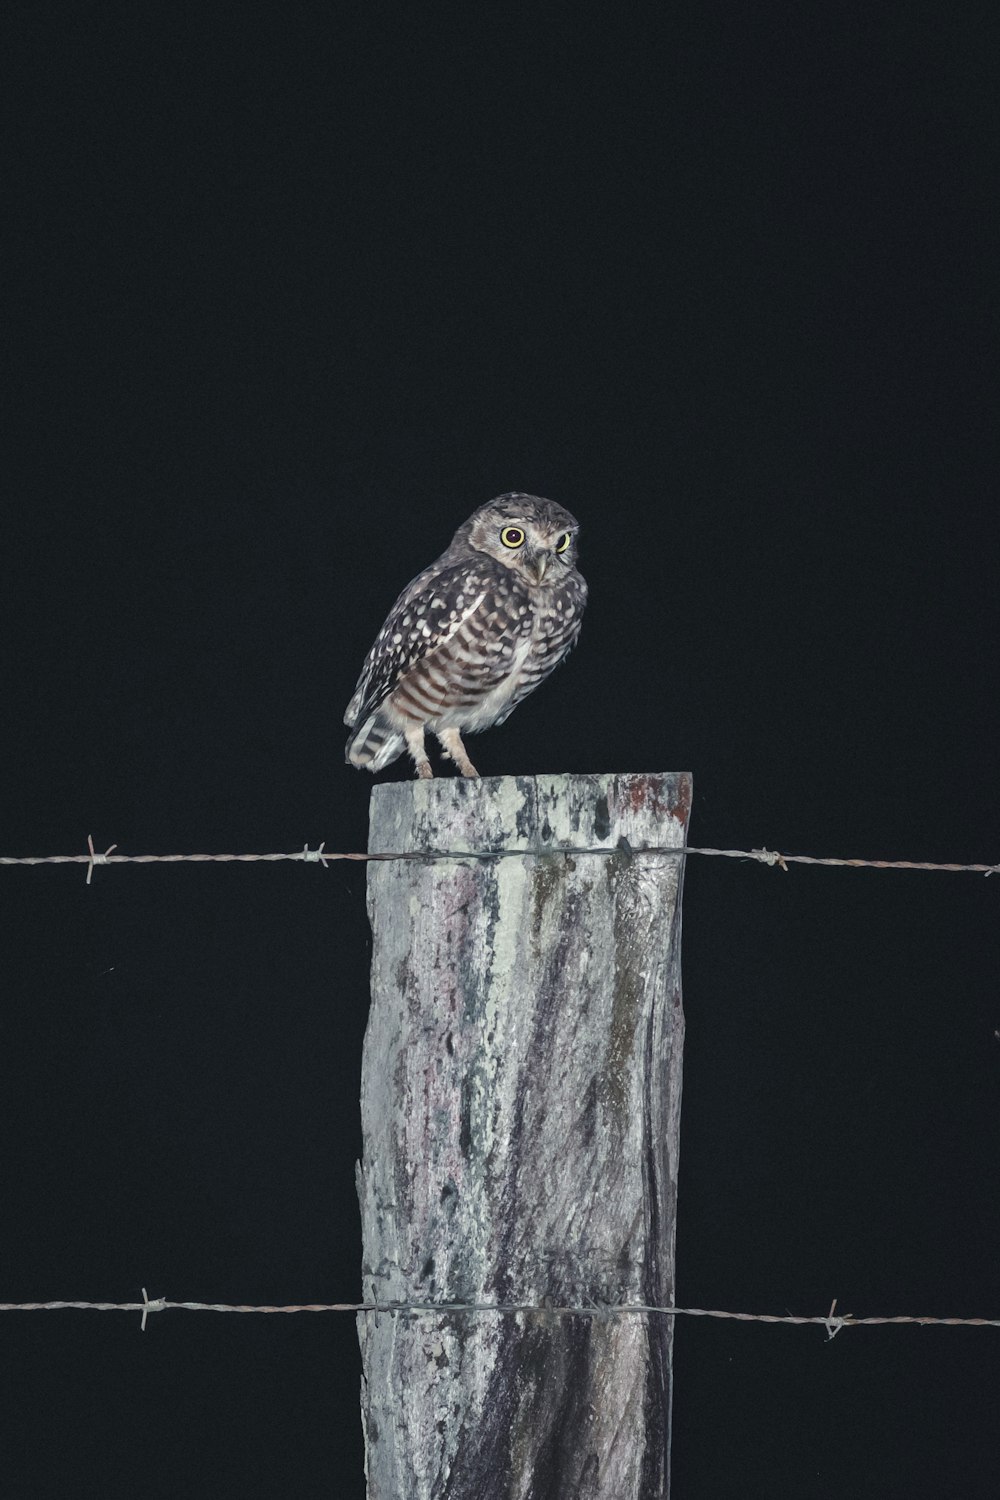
{"points": [[415, 744], [451, 744]]}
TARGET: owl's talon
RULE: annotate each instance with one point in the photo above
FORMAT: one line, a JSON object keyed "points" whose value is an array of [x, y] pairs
{"points": [[451, 744]]}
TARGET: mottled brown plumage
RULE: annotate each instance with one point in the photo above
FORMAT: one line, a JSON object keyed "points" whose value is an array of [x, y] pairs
{"points": [[471, 636]]}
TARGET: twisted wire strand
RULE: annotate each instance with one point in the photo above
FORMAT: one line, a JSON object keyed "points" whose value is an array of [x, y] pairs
{"points": [[321, 855], [832, 1321]]}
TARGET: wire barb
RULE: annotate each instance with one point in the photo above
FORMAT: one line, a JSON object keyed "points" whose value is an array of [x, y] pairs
{"points": [[94, 858], [771, 857], [314, 856], [156, 1305], [835, 1324]]}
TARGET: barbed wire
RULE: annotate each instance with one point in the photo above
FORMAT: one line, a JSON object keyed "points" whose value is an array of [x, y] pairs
{"points": [[323, 856], [832, 1321]]}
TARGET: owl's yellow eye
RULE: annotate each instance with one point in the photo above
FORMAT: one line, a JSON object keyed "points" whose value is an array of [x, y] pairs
{"points": [[563, 542], [512, 536]]}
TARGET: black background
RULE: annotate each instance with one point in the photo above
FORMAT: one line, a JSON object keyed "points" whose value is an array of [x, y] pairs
{"points": [[289, 293]]}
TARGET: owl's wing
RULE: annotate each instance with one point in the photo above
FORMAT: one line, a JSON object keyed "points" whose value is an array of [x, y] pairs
{"points": [[428, 612]]}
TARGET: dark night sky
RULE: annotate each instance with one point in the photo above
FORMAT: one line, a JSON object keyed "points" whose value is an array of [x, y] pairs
{"points": [[288, 294]]}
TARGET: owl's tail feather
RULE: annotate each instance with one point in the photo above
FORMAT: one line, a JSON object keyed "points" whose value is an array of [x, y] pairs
{"points": [[375, 745]]}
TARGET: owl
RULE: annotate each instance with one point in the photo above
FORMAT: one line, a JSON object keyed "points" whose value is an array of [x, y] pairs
{"points": [[471, 636]]}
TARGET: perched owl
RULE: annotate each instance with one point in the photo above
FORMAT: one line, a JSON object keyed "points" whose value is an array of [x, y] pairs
{"points": [[471, 636]]}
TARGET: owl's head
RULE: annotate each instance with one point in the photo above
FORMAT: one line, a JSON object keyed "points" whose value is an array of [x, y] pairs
{"points": [[531, 536]]}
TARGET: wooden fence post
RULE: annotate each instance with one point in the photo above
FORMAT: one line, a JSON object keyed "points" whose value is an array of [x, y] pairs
{"points": [[520, 1105]]}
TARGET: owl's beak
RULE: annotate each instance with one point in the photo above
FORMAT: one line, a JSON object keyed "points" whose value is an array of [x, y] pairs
{"points": [[538, 566]]}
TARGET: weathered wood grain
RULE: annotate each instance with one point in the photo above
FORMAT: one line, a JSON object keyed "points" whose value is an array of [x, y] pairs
{"points": [[520, 1110]]}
